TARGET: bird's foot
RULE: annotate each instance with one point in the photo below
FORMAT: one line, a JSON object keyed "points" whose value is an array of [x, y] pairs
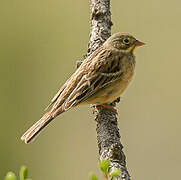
{"points": [[107, 106]]}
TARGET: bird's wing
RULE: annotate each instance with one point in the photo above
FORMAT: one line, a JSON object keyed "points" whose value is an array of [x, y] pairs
{"points": [[104, 69], [72, 82], [56, 96]]}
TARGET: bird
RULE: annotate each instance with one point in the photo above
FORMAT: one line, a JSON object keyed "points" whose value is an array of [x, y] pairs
{"points": [[100, 79]]}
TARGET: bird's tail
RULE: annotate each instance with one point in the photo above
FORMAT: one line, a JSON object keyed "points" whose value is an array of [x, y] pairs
{"points": [[33, 131]]}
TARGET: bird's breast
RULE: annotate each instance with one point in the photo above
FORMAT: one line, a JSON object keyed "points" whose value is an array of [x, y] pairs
{"points": [[111, 92]]}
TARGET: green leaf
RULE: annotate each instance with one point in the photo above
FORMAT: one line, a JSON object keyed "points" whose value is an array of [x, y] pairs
{"points": [[23, 173], [104, 166], [115, 173], [93, 176], [10, 176]]}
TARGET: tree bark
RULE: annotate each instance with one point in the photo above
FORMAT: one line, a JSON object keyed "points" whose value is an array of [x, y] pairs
{"points": [[108, 136]]}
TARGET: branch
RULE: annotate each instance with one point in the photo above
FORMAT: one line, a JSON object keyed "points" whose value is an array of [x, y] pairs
{"points": [[108, 136]]}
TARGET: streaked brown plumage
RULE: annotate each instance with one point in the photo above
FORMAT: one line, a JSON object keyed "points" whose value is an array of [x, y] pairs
{"points": [[100, 79]]}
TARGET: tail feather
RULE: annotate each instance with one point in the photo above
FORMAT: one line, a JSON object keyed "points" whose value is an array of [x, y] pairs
{"points": [[33, 131]]}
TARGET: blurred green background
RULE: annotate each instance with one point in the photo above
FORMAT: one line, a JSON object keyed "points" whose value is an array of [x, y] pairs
{"points": [[40, 41]]}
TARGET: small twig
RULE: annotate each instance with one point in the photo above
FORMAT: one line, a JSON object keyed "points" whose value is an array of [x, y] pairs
{"points": [[106, 177]]}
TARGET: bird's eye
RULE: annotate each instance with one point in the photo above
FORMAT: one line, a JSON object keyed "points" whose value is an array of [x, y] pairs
{"points": [[126, 41]]}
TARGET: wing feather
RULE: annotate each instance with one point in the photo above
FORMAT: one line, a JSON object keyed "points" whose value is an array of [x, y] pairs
{"points": [[106, 71], [72, 82]]}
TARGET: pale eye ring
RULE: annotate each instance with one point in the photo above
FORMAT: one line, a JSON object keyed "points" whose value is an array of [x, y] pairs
{"points": [[126, 41]]}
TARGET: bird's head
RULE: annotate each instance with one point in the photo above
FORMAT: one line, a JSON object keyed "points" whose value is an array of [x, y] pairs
{"points": [[123, 42]]}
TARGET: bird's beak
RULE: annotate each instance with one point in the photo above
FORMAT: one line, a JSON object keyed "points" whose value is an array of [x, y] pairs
{"points": [[139, 43]]}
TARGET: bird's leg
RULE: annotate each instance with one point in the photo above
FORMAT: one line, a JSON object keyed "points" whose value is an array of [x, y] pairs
{"points": [[107, 106]]}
